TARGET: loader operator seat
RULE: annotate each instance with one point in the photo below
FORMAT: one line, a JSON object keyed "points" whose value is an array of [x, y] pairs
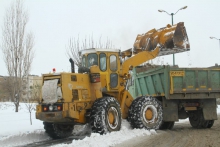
{"points": [[92, 60]]}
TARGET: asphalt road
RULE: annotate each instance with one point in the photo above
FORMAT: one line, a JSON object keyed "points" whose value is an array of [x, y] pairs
{"points": [[182, 135]]}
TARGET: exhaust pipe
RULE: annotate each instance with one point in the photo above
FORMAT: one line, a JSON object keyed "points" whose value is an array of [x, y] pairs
{"points": [[72, 65]]}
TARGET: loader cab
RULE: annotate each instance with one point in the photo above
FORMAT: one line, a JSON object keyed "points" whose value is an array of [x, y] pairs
{"points": [[109, 65]]}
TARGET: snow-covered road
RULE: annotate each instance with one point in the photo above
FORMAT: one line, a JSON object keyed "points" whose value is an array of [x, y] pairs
{"points": [[16, 130]]}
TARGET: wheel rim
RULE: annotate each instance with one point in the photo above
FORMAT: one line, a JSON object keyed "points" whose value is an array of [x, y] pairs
{"points": [[150, 114], [113, 118]]}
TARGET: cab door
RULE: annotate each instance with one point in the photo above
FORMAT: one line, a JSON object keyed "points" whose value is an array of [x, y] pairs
{"points": [[113, 71]]}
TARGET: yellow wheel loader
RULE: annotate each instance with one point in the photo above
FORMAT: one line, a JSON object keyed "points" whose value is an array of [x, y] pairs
{"points": [[98, 93]]}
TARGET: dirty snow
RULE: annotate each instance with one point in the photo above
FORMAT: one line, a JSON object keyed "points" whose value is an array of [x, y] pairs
{"points": [[15, 129]]}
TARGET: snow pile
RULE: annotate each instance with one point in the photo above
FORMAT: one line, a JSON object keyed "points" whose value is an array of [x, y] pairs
{"points": [[82, 130], [109, 139]]}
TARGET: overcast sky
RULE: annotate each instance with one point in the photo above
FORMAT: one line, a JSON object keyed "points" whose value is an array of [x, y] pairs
{"points": [[54, 22]]}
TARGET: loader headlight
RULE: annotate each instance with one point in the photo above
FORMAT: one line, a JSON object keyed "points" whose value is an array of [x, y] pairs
{"points": [[51, 108]]}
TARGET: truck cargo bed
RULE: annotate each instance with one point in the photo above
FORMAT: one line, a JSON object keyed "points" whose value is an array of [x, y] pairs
{"points": [[176, 83]]}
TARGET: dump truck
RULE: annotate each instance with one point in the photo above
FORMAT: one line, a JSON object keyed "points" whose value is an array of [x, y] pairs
{"points": [[98, 93], [169, 93]]}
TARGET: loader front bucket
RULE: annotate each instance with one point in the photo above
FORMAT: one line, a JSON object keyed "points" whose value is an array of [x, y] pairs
{"points": [[180, 38], [170, 39]]}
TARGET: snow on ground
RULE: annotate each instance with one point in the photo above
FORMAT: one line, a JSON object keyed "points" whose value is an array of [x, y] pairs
{"points": [[15, 129], [109, 139]]}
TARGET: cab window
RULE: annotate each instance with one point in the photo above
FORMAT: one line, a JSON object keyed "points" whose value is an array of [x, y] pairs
{"points": [[113, 63], [92, 59], [102, 62], [84, 61], [113, 80]]}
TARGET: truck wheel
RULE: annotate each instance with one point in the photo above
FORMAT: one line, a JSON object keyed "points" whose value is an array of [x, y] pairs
{"points": [[170, 127], [167, 125], [57, 131], [146, 113], [105, 115], [210, 123], [130, 111], [197, 120]]}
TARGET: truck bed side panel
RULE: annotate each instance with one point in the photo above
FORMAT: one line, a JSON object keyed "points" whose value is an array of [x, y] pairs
{"points": [[178, 83]]}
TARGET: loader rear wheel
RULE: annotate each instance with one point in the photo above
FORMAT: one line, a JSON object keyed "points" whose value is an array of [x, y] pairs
{"points": [[105, 115], [146, 112], [49, 129], [63, 130], [210, 123], [58, 131], [197, 120], [167, 125]]}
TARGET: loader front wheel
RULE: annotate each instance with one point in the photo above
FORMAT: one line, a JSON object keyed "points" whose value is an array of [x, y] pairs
{"points": [[146, 112], [105, 115], [58, 131]]}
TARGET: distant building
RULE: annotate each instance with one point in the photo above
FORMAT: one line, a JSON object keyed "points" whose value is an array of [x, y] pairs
{"points": [[33, 88], [4, 95]]}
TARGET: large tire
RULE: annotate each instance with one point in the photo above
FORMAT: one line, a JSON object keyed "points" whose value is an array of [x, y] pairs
{"points": [[63, 130], [167, 125], [130, 111], [197, 120], [105, 115], [49, 130], [58, 131], [210, 123], [146, 112]]}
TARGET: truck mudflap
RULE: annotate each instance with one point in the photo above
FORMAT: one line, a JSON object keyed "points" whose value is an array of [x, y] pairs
{"points": [[171, 39], [209, 109], [170, 110]]}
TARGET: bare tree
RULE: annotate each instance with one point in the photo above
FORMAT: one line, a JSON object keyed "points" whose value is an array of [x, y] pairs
{"points": [[17, 47], [74, 46], [33, 96]]}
